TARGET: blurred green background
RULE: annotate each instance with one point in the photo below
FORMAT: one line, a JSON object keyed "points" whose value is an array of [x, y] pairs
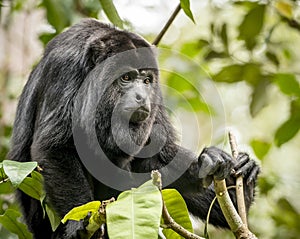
{"points": [[237, 67]]}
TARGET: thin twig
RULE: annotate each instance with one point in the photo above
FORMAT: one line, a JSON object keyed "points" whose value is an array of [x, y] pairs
{"points": [[239, 182], [170, 223], [166, 27], [4, 180], [232, 217], [209, 211], [207, 217], [168, 220]]}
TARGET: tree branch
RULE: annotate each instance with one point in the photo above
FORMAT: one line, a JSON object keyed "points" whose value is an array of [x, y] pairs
{"points": [[168, 220], [239, 182], [166, 27], [233, 219]]}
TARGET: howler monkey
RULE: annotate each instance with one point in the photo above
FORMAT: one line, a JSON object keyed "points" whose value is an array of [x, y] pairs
{"points": [[95, 81]]}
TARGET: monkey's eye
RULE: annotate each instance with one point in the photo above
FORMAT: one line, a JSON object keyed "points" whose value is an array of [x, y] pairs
{"points": [[148, 80], [126, 77]]}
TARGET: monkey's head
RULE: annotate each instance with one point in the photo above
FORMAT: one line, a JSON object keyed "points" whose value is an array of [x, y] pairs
{"points": [[127, 82], [137, 94]]}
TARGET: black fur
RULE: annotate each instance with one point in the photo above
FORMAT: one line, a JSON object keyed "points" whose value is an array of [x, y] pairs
{"points": [[43, 132]]}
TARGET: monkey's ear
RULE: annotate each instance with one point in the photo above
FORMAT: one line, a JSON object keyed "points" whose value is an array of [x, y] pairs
{"points": [[95, 51]]}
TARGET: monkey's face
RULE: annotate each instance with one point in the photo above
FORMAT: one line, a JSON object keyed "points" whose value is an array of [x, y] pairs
{"points": [[137, 90]]}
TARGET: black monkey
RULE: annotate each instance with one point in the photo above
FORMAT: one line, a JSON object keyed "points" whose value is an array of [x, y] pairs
{"points": [[43, 127]]}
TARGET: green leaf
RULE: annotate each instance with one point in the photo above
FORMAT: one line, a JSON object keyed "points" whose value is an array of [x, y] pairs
{"points": [[53, 217], [260, 147], [252, 25], [259, 97], [198, 105], [33, 186], [79, 213], [273, 58], [178, 211], [193, 48], [111, 12], [46, 37], [90, 209], [215, 54], [136, 213], [6, 188], [290, 127], [286, 131], [185, 5], [267, 184], [17, 171], [284, 8], [177, 82], [58, 13], [252, 73], [229, 74], [10, 221], [288, 84], [249, 72]]}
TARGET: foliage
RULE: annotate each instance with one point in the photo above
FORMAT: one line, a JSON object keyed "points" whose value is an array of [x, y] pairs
{"points": [[177, 208], [136, 213], [16, 173], [254, 47]]}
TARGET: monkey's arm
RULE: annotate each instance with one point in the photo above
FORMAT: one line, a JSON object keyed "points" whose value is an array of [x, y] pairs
{"points": [[66, 187], [198, 172]]}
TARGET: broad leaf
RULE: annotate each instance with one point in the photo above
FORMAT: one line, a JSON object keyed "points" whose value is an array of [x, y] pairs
{"points": [[287, 131], [215, 54], [79, 213], [284, 8], [10, 221], [252, 73], [259, 97], [136, 213], [185, 5], [290, 127], [251, 25], [58, 13], [53, 217], [33, 186], [193, 48], [249, 72], [230, 74], [90, 210], [111, 12], [178, 211], [288, 84], [177, 82], [260, 147], [16, 171]]}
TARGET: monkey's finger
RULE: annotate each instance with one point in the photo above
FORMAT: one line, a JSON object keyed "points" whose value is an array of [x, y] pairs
{"points": [[207, 181], [253, 175], [246, 169], [241, 161], [206, 165]]}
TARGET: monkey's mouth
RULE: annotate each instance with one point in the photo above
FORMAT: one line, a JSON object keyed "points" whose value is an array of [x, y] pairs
{"points": [[140, 114]]}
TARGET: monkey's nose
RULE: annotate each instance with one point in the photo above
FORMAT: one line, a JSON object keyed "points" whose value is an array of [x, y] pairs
{"points": [[140, 98]]}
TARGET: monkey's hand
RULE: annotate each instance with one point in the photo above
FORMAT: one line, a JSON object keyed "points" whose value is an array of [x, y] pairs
{"points": [[214, 162], [249, 170]]}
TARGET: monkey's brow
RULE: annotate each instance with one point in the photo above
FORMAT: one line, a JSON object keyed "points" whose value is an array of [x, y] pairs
{"points": [[145, 71]]}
